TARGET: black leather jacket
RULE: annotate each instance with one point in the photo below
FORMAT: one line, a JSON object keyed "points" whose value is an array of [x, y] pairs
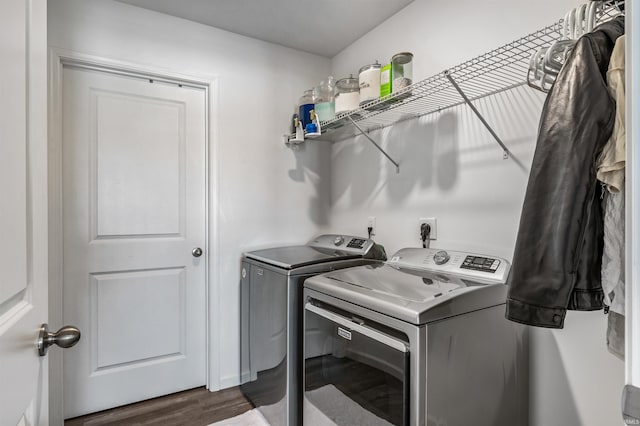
{"points": [[558, 254]]}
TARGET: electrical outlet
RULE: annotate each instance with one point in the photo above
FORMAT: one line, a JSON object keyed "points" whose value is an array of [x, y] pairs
{"points": [[431, 221], [371, 223]]}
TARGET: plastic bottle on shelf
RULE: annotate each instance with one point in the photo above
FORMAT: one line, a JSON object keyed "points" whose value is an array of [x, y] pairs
{"points": [[324, 99], [305, 105]]}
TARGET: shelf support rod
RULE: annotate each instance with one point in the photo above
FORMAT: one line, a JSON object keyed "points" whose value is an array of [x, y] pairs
{"points": [[374, 143], [507, 153]]}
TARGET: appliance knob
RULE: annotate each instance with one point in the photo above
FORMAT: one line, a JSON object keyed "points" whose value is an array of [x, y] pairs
{"points": [[338, 240], [441, 257]]}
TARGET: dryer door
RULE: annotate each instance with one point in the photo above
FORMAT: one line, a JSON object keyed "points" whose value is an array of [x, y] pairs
{"points": [[354, 373]]}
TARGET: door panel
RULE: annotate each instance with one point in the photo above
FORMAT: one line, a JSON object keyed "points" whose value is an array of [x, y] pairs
{"points": [[151, 304], [134, 183], [125, 187], [23, 210], [13, 134]]}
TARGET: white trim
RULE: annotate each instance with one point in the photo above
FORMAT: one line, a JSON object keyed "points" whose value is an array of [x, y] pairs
{"points": [[213, 253], [54, 117], [632, 184], [229, 381], [58, 58]]}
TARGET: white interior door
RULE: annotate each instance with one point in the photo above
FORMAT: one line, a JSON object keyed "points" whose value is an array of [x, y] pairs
{"points": [[23, 211], [134, 182]]}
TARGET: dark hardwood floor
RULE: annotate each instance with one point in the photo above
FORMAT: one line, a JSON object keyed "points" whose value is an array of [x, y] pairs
{"points": [[195, 407]]}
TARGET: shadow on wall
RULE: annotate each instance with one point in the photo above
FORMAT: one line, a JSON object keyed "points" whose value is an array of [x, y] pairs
{"points": [[412, 145], [313, 165], [426, 148], [356, 169], [448, 165], [514, 116], [432, 151], [550, 392]]}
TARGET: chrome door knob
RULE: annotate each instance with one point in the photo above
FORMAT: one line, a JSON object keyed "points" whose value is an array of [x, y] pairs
{"points": [[338, 240], [196, 252], [66, 337]]}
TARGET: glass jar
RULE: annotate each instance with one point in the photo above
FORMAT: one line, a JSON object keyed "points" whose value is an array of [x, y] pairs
{"points": [[305, 105], [401, 71], [324, 99], [369, 81], [347, 94]]}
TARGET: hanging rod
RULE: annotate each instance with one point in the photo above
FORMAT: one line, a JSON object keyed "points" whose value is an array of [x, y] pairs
{"points": [[363, 133]]}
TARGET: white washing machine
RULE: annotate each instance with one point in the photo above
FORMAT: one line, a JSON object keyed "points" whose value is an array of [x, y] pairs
{"points": [[271, 317], [419, 340]]}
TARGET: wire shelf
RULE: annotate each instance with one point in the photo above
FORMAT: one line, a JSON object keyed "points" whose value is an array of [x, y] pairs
{"points": [[496, 71], [493, 72]]}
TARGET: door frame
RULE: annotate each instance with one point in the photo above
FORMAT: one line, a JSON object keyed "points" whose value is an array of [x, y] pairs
{"points": [[632, 198], [58, 59]]}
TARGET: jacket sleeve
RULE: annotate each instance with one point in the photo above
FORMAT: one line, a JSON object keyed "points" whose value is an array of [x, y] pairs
{"points": [[551, 258]]}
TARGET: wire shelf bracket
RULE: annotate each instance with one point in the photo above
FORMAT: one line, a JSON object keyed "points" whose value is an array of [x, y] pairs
{"points": [[366, 135], [507, 153]]}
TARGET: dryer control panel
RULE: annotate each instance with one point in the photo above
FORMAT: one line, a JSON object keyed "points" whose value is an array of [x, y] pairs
{"points": [[482, 268]]}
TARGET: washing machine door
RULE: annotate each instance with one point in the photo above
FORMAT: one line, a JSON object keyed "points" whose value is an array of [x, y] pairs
{"points": [[354, 374]]}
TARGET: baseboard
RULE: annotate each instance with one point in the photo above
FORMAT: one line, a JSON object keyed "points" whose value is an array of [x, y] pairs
{"points": [[229, 381]]}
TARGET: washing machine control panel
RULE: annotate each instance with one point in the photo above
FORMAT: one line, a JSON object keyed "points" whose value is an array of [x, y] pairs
{"points": [[466, 265], [357, 243], [480, 263], [345, 243]]}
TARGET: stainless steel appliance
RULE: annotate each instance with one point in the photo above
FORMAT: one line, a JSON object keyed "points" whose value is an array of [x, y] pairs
{"points": [[271, 295], [418, 340]]}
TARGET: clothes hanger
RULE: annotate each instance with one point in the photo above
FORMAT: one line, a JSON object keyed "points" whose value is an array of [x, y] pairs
{"points": [[590, 16], [546, 63], [619, 5], [556, 56], [579, 21]]}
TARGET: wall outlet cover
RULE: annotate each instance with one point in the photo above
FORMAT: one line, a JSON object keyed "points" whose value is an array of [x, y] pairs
{"points": [[432, 223]]}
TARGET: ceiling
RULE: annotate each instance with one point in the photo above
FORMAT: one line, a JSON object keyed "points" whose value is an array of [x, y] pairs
{"points": [[323, 27]]}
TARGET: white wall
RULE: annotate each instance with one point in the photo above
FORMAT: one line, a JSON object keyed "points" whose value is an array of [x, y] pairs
{"points": [[453, 170], [268, 194]]}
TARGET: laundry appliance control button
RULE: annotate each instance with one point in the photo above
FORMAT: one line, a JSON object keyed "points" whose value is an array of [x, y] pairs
{"points": [[441, 257]]}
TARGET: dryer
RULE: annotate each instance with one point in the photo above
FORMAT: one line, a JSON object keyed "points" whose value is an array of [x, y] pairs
{"points": [[419, 340], [271, 317]]}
